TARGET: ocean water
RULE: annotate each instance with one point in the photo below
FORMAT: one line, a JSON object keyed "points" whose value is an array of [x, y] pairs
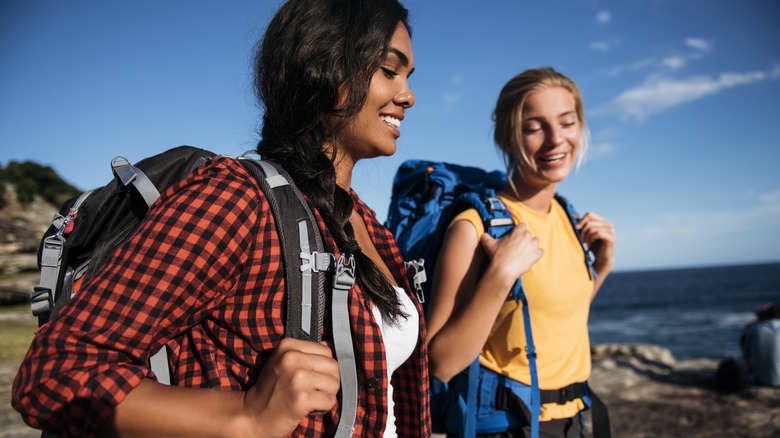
{"points": [[695, 313]]}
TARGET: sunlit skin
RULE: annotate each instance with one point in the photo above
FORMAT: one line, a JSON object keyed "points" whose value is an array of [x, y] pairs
{"points": [[372, 132], [551, 134], [464, 297]]}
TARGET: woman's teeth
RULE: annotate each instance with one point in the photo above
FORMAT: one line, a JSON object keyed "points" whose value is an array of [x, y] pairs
{"points": [[392, 121], [553, 157]]}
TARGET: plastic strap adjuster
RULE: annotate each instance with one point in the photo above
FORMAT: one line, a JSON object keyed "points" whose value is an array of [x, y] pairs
{"points": [[317, 261], [41, 301], [418, 278], [494, 204], [344, 277]]}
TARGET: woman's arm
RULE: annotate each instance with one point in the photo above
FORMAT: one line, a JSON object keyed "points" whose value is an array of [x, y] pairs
{"points": [[463, 304], [300, 378], [599, 234]]}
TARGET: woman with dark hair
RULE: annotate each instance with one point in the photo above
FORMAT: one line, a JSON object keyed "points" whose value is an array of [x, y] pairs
{"points": [[541, 131], [202, 274]]}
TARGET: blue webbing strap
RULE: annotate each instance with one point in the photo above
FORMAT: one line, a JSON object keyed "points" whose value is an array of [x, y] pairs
{"points": [[536, 405], [470, 418], [498, 221], [574, 219]]}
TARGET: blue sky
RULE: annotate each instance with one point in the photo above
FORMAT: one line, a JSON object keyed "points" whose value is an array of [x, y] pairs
{"points": [[682, 98]]}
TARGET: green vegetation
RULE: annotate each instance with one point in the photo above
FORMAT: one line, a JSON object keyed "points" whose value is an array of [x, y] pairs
{"points": [[17, 327], [30, 179]]}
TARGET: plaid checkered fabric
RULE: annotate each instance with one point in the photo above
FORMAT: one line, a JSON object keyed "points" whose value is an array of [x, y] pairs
{"points": [[203, 275]]}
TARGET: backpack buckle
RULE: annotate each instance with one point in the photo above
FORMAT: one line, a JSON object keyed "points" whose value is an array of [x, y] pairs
{"points": [[344, 277], [418, 278], [316, 261], [494, 204]]}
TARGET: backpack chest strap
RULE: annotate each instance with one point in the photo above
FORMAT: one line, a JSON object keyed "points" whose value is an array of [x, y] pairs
{"points": [[561, 396]]}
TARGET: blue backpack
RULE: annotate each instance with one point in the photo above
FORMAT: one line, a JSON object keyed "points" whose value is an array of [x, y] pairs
{"points": [[426, 197]]}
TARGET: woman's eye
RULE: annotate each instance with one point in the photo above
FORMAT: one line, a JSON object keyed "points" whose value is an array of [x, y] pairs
{"points": [[390, 73], [569, 123], [531, 129]]}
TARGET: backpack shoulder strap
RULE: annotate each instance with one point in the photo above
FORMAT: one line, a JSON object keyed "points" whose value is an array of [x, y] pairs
{"points": [[574, 219], [298, 233], [300, 242], [498, 221]]}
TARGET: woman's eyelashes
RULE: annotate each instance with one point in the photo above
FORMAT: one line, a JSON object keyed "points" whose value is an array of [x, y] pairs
{"points": [[389, 72]]}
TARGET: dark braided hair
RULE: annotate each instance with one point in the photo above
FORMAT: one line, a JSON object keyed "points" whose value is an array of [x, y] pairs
{"points": [[310, 51]]}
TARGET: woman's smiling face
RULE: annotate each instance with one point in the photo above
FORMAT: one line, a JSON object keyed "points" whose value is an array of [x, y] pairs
{"points": [[551, 135], [374, 130]]}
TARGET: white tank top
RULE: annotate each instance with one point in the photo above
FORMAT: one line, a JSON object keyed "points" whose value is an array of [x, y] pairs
{"points": [[400, 340]]}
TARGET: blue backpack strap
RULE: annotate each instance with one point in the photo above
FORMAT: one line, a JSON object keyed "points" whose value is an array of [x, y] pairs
{"points": [[498, 221], [574, 219]]}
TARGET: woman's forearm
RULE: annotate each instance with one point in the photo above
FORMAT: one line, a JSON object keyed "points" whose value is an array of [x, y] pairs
{"points": [[154, 409]]}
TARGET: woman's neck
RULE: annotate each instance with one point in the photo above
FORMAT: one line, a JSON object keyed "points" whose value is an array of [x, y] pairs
{"points": [[343, 165], [537, 198]]}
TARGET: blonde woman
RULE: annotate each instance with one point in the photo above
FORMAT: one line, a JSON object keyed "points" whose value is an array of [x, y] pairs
{"points": [[540, 129]]}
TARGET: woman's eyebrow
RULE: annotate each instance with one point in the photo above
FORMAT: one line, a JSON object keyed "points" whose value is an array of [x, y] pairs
{"points": [[401, 56]]}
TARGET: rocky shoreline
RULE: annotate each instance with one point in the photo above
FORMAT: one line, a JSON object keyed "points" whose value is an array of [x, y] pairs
{"points": [[648, 393]]}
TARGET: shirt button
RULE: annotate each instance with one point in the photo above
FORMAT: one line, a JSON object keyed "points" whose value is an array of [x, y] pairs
{"points": [[372, 382]]}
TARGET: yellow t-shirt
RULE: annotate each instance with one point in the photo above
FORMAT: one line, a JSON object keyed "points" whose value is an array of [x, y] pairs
{"points": [[559, 289]]}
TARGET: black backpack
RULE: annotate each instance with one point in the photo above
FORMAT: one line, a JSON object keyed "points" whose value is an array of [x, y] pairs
{"points": [[90, 227]]}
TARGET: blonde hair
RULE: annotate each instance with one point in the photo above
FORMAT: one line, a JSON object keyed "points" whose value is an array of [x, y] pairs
{"points": [[508, 115]]}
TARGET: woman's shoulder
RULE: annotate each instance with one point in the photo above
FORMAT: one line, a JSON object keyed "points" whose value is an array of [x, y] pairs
{"points": [[223, 175], [220, 187]]}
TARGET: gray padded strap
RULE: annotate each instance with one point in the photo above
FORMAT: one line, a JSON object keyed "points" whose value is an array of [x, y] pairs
{"points": [[159, 364], [306, 304], [272, 176], [129, 174], [42, 299], [343, 280]]}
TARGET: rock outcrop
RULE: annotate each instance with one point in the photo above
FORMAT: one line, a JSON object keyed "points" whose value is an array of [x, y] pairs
{"points": [[650, 394], [18, 260]]}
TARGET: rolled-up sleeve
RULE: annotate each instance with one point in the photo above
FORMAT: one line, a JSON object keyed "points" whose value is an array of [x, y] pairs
{"points": [[179, 265]]}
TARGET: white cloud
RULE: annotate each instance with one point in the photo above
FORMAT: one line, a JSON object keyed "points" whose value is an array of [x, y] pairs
{"points": [[689, 225], [599, 46], [659, 93], [603, 17], [457, 79], [450, 98], [601, 150], [698, 44], [769, 198], [675, 62]]}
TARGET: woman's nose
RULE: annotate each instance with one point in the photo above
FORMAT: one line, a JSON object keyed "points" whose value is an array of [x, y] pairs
{"points": [[405, 97], [555, 136]]}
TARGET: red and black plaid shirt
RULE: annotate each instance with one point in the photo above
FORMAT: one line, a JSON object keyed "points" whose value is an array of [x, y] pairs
{"points": [[203, 274]]}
